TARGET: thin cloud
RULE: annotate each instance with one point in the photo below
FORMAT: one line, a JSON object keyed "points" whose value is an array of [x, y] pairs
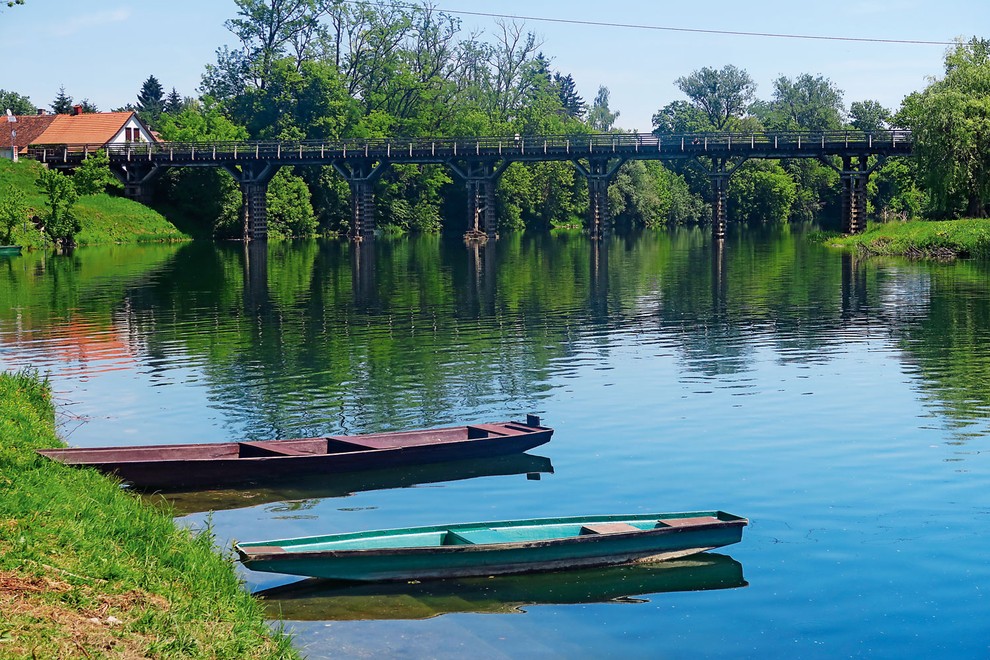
{"points": [[91, 21]]}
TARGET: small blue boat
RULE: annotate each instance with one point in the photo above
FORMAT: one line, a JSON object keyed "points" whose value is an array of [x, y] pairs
{"points": [[495, 548]]}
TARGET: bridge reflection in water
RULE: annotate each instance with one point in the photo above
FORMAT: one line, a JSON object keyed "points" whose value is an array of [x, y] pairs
{"points": [[479, 162]]}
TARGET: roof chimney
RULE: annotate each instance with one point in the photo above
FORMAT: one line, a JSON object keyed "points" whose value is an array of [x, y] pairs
{"points": [[77, 109]]}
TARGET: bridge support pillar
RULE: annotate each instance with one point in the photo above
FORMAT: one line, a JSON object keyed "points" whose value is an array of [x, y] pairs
{"points": [[480, 178], [720, 196], [254, 178], [599, 173], [137, 179], [855, 175], [361, 176], [482, 218]]}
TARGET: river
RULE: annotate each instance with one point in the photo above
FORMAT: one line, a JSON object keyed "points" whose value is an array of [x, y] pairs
{"points": [[839, 403]]}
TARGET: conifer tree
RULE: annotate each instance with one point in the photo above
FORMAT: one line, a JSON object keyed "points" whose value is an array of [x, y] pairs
{"points": [[62, 105], [151, 100], [174, 102], [573, 104]]}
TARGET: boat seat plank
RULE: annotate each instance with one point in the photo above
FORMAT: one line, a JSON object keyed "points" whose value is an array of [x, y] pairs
{"points": [[688, 522], [609, 528], [485, 430], [274, 449]]}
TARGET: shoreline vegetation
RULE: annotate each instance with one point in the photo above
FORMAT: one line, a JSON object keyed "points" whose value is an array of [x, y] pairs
{"points": [[88, 570], [921, 239], [105, 218]]}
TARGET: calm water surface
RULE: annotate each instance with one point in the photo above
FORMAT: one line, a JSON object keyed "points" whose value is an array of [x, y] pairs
{"points": [[840, 404]]}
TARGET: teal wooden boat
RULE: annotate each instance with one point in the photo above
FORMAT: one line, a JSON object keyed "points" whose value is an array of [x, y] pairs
{"points": [[495, 548], [10, 250]]}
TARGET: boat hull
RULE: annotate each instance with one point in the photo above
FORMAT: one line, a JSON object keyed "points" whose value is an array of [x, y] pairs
{"points": [[174, 467], [565, 547]]}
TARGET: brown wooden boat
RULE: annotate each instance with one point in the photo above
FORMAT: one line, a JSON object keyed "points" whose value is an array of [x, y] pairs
{"points": [[207, 465]]}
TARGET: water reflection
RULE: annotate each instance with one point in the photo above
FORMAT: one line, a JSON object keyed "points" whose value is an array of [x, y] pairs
{"points": [[320, 600], [432, 321], [310, 488]]}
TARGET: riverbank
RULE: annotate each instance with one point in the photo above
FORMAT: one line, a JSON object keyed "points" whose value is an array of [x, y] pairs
{"points": [[86, 570], [945, 239], [105, 219]]}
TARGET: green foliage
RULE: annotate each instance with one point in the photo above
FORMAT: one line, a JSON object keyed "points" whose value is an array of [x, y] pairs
{"points": [[679, 117], [928, 239], [950, 121], [817, 187], [720, 94], [762, 192], [869, 116], [202, 121], [600, 118], [290, 213], [17, 104], [94, 175], [60, 221], [895, 191], [62, 105], [13, 212], [805, 103], [203, 201], [304, 101]]}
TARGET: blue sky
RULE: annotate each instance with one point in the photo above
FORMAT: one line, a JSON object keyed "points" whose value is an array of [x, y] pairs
{"points": [[104, 49]]}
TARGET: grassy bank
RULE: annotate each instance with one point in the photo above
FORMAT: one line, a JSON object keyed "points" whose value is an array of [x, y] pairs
{"points": [[104, 218], [86, 570], [923, 239]]}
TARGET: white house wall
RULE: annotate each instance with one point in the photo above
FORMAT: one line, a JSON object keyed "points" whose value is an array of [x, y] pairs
{"points": [[132, 123]]}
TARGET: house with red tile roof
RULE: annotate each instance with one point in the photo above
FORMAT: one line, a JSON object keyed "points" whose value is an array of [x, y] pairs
{"points": [[20, 132], [92, 129]]}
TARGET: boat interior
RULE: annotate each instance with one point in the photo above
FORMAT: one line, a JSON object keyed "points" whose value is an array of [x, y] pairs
{"points": [[486, 535], [294, 447]]}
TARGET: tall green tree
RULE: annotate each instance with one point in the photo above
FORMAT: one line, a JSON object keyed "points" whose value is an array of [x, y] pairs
{"points": [[600, 116], [808, 103], [13, 211], [94, 175], [290, 211], [266, 29], [17, 104], [722, 94], [61, 224], [869, 116], [151, 100], [62, 105], [950, 121]]}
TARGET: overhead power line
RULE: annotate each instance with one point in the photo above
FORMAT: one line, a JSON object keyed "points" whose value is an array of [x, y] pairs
{"points": [[665, 28]]}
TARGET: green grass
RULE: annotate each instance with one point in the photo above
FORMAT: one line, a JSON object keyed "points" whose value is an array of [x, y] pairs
{"points": [[924, 239], [87, 570], [104, 218]]}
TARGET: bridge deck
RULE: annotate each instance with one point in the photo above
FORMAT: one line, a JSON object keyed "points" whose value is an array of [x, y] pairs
{"points": [[511, 149]]}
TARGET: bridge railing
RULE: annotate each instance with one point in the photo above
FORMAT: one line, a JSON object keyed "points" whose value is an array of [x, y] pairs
{"points": [[517, 147]]}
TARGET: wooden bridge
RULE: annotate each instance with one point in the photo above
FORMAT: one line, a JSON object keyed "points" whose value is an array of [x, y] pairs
{"points": [[479, 162]]}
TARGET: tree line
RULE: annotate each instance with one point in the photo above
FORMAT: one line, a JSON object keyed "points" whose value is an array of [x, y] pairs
{"points": [[330, 69]]}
